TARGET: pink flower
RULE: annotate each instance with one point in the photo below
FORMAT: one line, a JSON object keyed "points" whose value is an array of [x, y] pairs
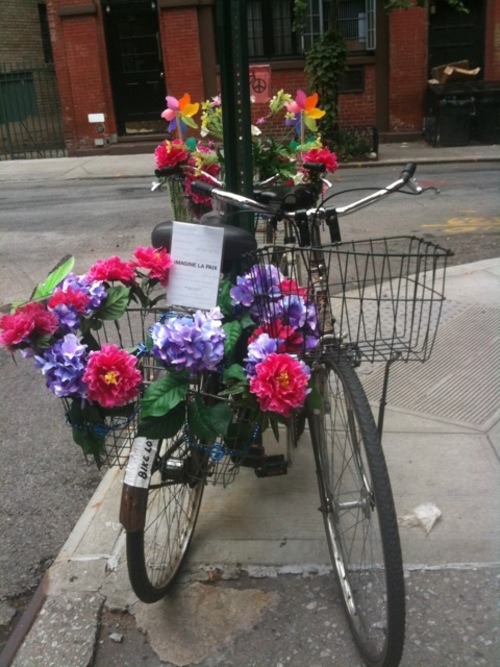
{"points": [[280, 384], [322, 155], [110, 269], [27, 323], [112, 377], [171, 154], [156, 260]]}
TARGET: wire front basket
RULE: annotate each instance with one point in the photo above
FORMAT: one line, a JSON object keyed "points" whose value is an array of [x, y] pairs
{"points": [[382, 298], [104, 434]]}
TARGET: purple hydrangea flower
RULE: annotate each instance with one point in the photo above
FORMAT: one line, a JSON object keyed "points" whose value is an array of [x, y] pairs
{"points": [[294, 310], [258, 350], [261, 281], [63, 365], [68, 317], [94, 289], [190, 343]]}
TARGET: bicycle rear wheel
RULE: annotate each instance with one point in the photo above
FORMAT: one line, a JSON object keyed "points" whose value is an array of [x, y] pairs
{"points": [[359, 514], [164, 517]]}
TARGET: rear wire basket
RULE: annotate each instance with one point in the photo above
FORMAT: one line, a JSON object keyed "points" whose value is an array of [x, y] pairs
{"points": [[382, 298]]}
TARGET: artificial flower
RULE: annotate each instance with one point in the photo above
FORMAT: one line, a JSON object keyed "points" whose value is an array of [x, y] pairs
{"points": [[193, 343], [112, 377], [280, 384], [112, 269], [171, 154], [259, 347], [94, 289], [26, 325], [155, 260], [63, 365], [323, 156]]}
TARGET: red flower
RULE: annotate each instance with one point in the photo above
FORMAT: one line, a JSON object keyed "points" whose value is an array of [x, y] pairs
{"points": [[280, 384], [27, 323], [156, 260], [72, 297], [110, 269], [210, 168], [170, 154], [288, 339], [112, 377], [290, 286], [322, 155]]}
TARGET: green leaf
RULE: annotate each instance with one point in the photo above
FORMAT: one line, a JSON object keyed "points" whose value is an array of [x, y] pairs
{"points": [[164, 394], [246, 321], [224, 300], [115, 304], [239, 435], [82, 421], [166, 426], [234, 372], [314, 400], [233, 333], [57, 275], [208, 421], [275, 426]]}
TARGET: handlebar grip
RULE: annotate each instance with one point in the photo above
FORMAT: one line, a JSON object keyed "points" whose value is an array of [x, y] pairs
{"points": [[408, 171], [202, 188]]}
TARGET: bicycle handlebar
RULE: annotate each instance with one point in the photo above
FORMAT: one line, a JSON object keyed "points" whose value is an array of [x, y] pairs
{"points": [[245, 203]]}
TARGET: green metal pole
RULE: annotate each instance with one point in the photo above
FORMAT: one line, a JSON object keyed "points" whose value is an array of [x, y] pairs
{"points": [[232, 48]]}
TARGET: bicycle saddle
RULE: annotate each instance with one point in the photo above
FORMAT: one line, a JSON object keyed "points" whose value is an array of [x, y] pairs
{"points": [[237, 242]]}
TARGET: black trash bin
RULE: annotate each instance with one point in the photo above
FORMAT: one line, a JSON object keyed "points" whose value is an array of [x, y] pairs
{"points": [[454, 121], [488, 119]]}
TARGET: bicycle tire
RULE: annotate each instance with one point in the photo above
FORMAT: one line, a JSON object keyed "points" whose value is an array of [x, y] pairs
{"points": [[359, 514], [167, 517]]}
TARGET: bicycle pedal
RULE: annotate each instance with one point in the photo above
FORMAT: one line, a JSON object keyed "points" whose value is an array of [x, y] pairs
{"points": [[273, 466], [255, 457]]}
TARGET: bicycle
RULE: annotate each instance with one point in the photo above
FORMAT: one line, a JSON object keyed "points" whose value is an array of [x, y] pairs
{"points": [[376, 300]]}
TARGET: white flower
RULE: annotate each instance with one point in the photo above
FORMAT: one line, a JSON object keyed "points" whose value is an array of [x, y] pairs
{"points": [[255, 131]]}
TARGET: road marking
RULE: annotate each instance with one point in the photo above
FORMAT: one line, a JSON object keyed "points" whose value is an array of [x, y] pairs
{"points": [[467, 224]]}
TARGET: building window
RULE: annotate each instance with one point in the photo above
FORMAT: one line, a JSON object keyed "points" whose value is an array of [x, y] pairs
{"points": [[270, 33]]}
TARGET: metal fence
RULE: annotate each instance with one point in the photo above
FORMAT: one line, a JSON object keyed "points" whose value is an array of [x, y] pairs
{"points": [[30, 113]]}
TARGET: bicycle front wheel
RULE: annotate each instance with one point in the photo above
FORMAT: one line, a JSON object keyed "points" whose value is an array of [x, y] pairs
{"points": [[359, 514], [165, 515]]}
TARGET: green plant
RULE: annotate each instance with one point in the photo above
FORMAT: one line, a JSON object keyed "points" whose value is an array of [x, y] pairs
{"points": [[325, 67]]}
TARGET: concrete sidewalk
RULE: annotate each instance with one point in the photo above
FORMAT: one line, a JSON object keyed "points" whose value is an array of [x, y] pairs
{"points": [[252, 591], [121, 166]]}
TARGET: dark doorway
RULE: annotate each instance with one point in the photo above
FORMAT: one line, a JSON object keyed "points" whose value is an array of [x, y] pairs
{"points": [[136, 69], [454, 35]]}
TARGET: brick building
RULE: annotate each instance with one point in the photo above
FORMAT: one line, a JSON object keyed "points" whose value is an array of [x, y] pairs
{"points": [[116, 60]]}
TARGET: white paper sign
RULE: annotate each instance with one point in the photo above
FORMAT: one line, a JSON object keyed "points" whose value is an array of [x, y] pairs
{"points": [[197, 253], [140, 462]]}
